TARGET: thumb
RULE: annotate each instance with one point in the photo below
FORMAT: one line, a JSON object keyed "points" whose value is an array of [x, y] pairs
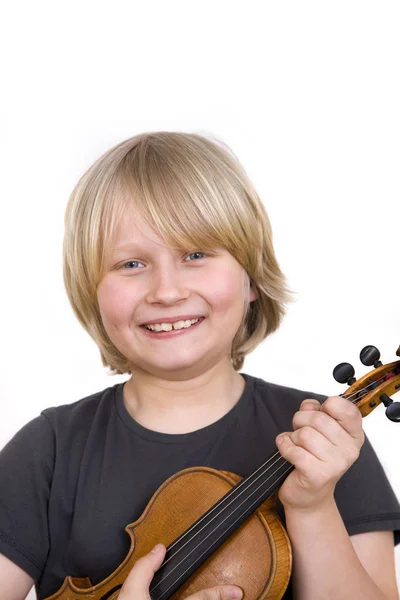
{"points": [[136, 585], [218, 592], [310, 404]]}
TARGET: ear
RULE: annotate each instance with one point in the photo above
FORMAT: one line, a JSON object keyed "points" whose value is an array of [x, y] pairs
{"points": [[253, 294]]}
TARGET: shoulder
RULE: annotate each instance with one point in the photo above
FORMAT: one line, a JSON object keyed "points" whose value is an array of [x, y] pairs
{"points": [[41, 436], [275, 403], [282, 397], [80, 414]]}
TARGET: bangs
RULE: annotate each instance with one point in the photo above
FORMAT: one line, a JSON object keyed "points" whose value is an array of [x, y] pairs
{"points": [[191, 201]]}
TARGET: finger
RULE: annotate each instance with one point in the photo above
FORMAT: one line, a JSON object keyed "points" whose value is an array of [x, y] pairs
{"points": [[345, 413], [218, 592], [310, 404], [324, 424], [136, 585], [315, 443], [296, 455]]}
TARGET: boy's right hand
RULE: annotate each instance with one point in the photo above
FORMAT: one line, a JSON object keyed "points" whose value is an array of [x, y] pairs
{"points": [[136, 585]]}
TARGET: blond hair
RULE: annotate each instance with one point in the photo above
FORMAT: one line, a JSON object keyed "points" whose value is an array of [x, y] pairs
{"points": [[193, 191]]}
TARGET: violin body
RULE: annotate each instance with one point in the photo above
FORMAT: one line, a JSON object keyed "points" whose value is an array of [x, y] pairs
{"points": [[256, 557]]}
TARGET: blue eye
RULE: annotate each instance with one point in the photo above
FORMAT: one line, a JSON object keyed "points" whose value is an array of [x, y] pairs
{"points": [[193, 253], [129, 263]]}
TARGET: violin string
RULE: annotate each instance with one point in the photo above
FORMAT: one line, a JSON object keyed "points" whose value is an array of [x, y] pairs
{"points": [[244, 483], [202, 554], [365, 388], [218, 505]]}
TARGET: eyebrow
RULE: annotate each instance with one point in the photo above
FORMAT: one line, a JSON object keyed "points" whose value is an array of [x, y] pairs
{"points": [[129, 246]]}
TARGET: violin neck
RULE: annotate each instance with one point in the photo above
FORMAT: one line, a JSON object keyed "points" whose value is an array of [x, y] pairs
{"points": [[204, 537]]}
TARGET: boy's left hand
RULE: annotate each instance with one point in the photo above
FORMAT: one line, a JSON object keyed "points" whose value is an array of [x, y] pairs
{"points": [[325, 442]]}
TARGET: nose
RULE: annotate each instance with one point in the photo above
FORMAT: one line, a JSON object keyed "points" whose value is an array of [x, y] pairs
{"points": [[167, 286]]}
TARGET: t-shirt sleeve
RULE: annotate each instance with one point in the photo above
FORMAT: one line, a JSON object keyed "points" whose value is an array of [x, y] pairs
{"points": [[26, 468], [365, 498]]}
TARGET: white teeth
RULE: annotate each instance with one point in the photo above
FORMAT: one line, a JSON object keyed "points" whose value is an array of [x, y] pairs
{"points": [[170, 326]]}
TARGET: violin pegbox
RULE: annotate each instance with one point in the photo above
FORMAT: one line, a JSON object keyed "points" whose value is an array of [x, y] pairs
{"points": [[375, 387]]}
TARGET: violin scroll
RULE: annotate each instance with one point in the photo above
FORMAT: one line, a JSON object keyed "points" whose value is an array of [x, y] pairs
{"points": [[375, 387]]}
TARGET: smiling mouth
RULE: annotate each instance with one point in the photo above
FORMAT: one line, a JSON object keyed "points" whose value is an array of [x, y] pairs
{"points": [[172, 331], [169, 326]]}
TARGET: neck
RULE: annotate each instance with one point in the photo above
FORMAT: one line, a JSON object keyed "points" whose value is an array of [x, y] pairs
{"points": [[183, 406]]}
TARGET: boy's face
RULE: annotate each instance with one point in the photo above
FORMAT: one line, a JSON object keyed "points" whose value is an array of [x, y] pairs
{"points": [[158, 282]]}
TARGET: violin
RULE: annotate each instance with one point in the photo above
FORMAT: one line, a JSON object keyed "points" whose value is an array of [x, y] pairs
{"points": [[212, 521]]}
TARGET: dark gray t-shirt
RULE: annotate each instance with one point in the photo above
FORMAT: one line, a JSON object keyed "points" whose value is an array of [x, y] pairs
{"points": [[74, 477]]}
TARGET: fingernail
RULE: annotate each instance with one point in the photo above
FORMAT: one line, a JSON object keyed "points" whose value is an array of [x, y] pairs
{"points": [[312, 404], [236, 593], [279, 439], [156, 549]]}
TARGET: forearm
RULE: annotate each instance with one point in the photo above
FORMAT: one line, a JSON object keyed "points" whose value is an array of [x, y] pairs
{"points": [[325, 564]]}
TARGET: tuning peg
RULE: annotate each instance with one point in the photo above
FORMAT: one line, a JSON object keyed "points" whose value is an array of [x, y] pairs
{"points": [[369, 356], [344, 373], [392, 408]]}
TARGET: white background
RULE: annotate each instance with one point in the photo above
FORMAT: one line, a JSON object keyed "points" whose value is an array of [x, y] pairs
{"points": [[305, 93]]}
